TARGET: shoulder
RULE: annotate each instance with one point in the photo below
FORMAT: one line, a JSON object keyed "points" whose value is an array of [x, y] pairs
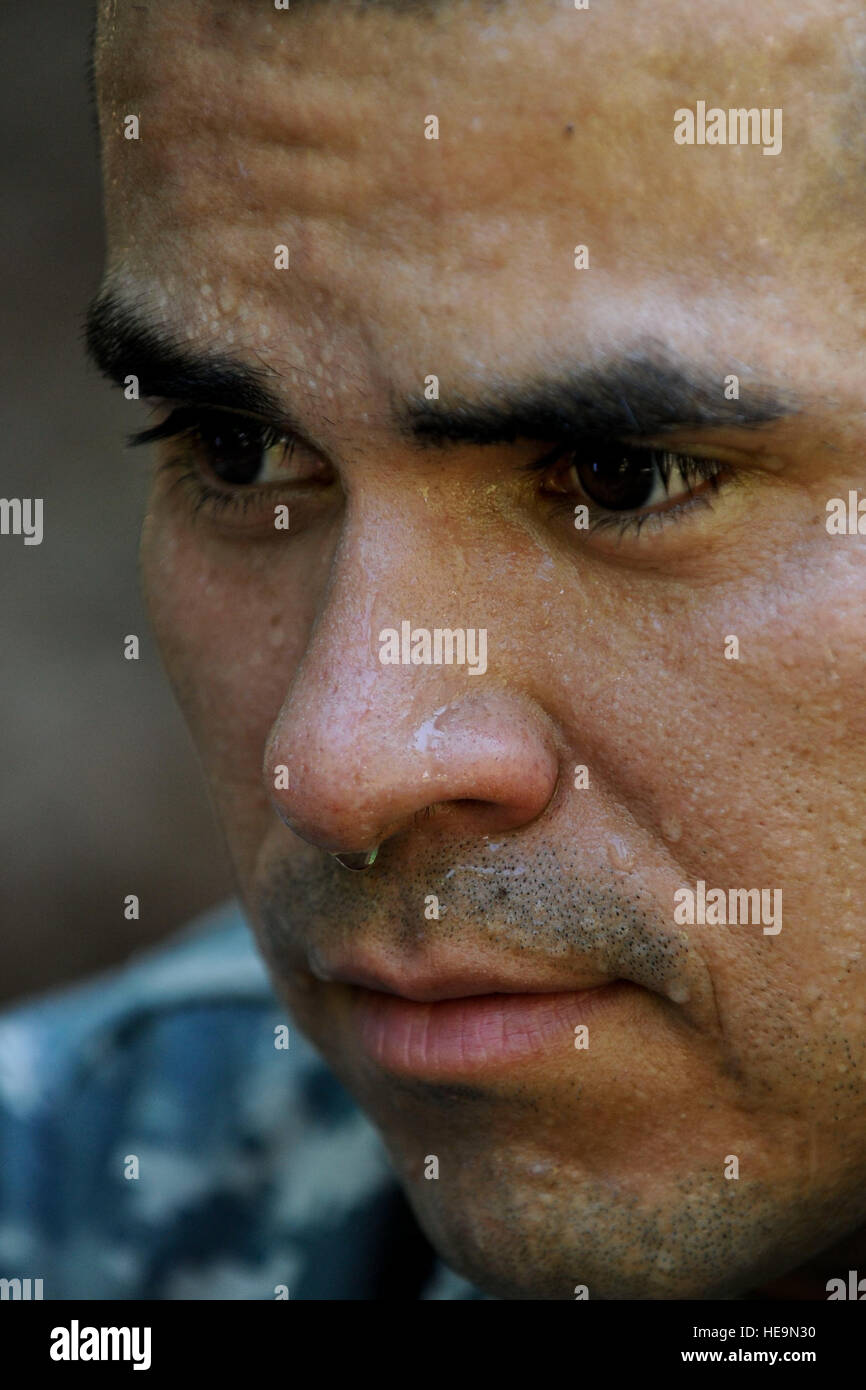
{"points": [[198, 1010], [158, 1137], [50, 1042], [159, 1140]]}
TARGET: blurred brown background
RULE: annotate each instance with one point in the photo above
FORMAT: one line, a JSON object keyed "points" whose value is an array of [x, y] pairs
{"points": [[100, 795]]}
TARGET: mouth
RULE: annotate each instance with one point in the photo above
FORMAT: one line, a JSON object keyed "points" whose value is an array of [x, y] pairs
{"points": [[505, 982], [470, 1034], [458, 1016]]}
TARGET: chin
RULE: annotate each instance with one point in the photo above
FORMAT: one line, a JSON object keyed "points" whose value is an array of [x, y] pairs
{"points": [[567, 1235]]}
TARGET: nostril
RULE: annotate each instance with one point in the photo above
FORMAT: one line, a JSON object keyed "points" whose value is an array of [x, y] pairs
{"points": [[354, 785], [357, 862]]}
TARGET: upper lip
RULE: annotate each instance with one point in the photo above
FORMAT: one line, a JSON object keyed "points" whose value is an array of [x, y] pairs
{"points": [[449, 977]]}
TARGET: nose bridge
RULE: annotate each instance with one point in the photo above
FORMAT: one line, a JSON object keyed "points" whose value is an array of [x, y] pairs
{"points": [[348, 711], [401, 563], [392, 708]]}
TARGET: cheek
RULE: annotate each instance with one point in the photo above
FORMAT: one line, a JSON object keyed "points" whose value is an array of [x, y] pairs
{"points": [[788, 721], [756, 750], [746, 773], [231, 632], [774, 798]]}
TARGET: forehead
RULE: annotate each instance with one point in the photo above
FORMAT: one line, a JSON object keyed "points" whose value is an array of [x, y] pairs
{"points": [[306, 128]]}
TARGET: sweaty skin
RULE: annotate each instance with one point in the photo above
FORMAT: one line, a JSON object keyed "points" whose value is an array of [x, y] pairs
{"points": [[603, 1166]]}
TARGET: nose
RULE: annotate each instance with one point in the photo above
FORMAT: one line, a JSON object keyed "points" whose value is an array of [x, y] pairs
{"points": [[363, 764], [371, 750]]}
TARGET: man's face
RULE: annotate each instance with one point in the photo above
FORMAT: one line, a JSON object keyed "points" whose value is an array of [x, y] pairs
{"points": [[511, 987]]}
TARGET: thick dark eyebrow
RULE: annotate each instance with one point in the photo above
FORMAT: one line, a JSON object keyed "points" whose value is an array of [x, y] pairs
{"points": [[123, 341], [639, 394], [636, 395]]}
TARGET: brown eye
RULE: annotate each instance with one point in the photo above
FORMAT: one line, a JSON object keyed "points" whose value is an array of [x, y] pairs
{"points": [[234, 452], [228, 462], [240, 452], [617, 480]]}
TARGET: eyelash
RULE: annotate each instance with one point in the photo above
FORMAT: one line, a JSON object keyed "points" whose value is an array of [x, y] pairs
{"points": [[183, 422], [204, 496], [713, 473]]}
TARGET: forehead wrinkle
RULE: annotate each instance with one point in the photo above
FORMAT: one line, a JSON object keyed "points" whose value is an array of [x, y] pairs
{"points": [[304, 131], [254, 151], [428, 224]]}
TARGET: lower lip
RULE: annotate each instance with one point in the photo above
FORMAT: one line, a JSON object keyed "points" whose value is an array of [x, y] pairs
{"points": [[455, 1037]]}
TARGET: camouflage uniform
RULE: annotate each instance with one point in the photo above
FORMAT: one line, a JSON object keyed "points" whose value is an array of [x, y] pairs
{"points": [[257, 1172]]}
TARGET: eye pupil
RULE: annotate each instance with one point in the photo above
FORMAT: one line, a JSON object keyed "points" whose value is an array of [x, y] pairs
{"points": [[615, 481], [234, 452]]}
